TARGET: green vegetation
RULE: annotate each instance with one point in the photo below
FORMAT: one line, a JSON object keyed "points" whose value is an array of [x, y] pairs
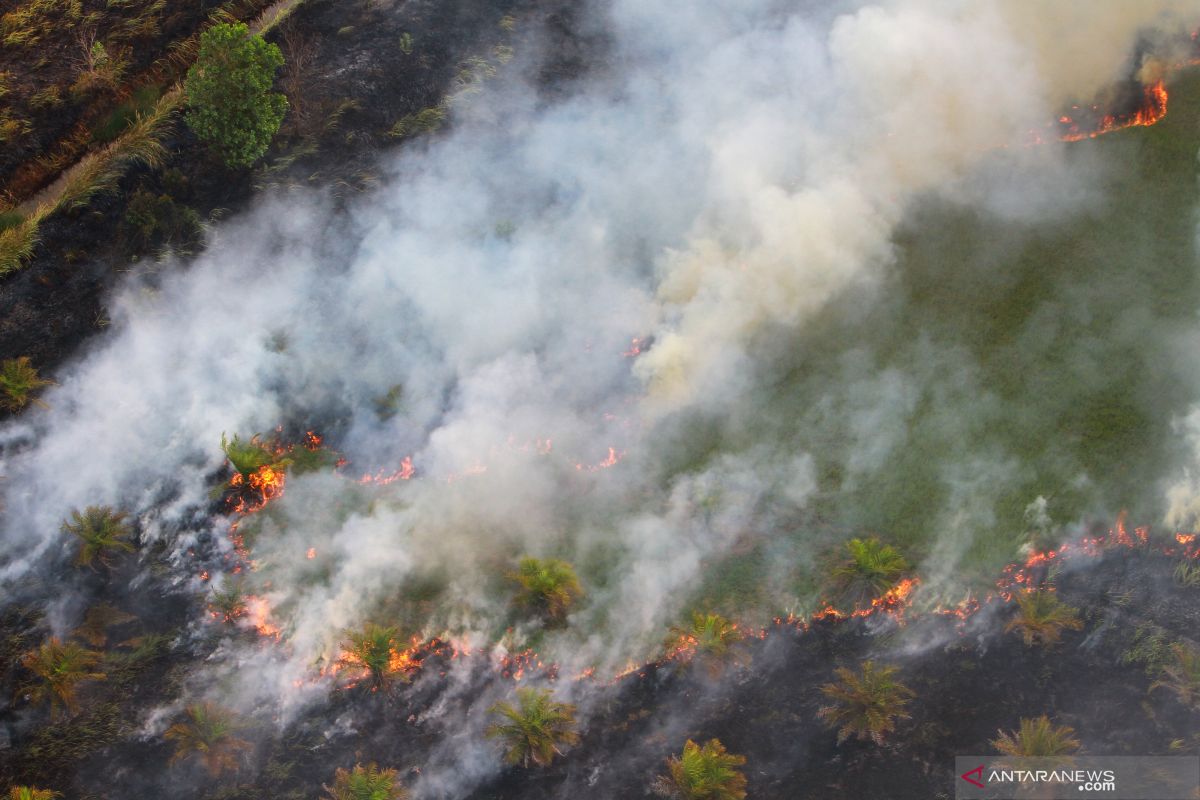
{"points": [[231, 105], [102, 67], [1187, 574], [152, 218], [19, 379], [548, 587], [60, 668], [248, 457], [377, 650], [1182, 676], [1041, 618], [866, 705], [228, 602], [366, 783], [708, 640], [535, 729], [869, 569], [207, 732], [141, 144], [29, 793], [140, 103], [703, 772], [426, 120], [1037, 738], [101, 530]]}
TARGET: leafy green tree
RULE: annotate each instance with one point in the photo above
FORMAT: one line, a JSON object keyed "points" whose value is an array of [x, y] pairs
{"points": [[18, 381], [377, 650], [366, 783], [869, 569], [547, 586], [1041, 618], [1037, 738], [703, 772], [535, 729], [866, 704], [60, 667], [1183, 676], [29, 793], [230, 103], [207, 732], [101, 530]]}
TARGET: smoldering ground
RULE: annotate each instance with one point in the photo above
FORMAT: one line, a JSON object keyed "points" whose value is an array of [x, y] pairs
{"points": [[871, 306]]}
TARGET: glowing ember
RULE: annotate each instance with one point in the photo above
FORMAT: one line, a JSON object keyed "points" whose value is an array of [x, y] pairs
{"points": [[635, 348], [311, 554]]}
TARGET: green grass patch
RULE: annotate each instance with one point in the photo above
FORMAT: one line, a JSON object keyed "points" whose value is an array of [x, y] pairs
{"points": [[121, 118]]}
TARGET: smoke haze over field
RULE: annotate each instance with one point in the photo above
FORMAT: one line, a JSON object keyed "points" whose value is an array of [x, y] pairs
{"points": [[865, 300]]}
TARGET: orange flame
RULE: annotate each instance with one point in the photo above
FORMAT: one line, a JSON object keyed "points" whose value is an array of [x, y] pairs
{"points": [[1152, 109]]}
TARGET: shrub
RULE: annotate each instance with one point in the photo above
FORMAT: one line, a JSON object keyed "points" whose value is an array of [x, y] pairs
{"points": [[1041, 618], [123, 116], [247, 457], [375, 649], [866, 704], [231, 105], [1187, 574], [207, 732], [150, 219], [60, 668], [535, 729], [703, 772], [547, 586], [708, 640], [869, 570], [366, 783], [101, 530], [29, 793], [18, 381], [1182, 676], [1037, 738]]}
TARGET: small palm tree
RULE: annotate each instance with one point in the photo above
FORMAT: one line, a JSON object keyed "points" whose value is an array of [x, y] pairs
{"points": [[366, 783], [703, 772], [18, 381], [1037, 738], [865, 704], [707, 640], [535, 729], [1183, 676], [207, 732], [246, 457], [1041, 617], [60, 668], [101, 530], [377, 650], [29, 793], [869, 569], [548, 586]]}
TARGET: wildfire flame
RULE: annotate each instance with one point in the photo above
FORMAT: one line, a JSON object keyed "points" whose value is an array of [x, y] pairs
{"points": [[1152, 109]]}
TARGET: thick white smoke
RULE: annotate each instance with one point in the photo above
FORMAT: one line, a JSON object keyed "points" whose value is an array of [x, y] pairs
{"points": [[740, 166]]}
